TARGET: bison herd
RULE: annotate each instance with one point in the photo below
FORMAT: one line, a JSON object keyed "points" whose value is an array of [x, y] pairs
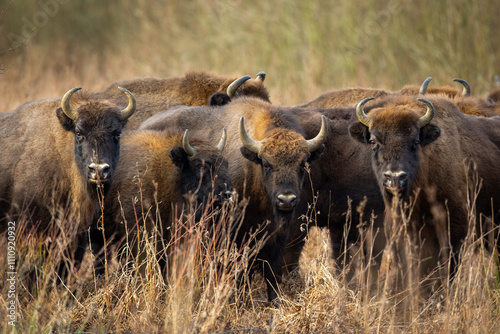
{"points": [[368, 160]]}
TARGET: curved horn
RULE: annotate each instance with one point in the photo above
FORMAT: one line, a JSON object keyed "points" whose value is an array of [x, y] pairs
{"points": [[252, 144], [132, 104], [362, 117], [233, 87], [316, 142], [497, 80], [429, 114], [423, 87], [222, 141], [261, 76], [66, 106], [190, 151], [466, 90]]}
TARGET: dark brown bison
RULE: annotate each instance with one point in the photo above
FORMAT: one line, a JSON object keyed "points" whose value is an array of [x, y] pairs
{"points": [[194, 89], [422, 159], [56, 156], [158, 174], [268, 168], [342, 187]]}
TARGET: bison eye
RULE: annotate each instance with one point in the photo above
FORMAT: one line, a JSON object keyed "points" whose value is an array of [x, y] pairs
{"points": [[266, 165], [79, 136], [414, 147], [116, 137], [202, 167]]}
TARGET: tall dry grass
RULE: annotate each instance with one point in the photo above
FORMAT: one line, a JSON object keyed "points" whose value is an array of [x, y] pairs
{"points": [[305, 47]]}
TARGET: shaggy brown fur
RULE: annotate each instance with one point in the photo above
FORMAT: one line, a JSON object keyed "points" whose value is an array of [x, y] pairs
{"points": [[152, 180], [194, 89], [284, 154], [341, 181], [352, 96], [442, 173], [343, 97], [39, 174], [444, 90], [44, 166]]}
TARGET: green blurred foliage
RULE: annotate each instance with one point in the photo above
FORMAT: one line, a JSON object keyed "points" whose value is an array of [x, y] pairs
{"points": [[301, 44]]}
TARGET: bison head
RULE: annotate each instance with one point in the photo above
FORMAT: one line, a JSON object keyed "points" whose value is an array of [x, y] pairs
{"points": [[204, 170], [396, 135], [282, 156], [96, 126]]}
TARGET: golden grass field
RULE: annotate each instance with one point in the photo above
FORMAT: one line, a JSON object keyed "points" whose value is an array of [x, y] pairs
{"points": [[305, 48]]}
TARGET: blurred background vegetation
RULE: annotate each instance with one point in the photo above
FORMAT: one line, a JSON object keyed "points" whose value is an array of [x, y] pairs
{"points": [[305, 47]]}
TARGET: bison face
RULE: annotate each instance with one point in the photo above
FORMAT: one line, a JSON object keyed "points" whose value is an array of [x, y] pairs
{"points": [[96, 127], [396, 136], [283, 155], [204, 171]]}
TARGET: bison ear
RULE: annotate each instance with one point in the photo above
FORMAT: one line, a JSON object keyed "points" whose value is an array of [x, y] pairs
{"points": [[178, 157], [429, 133], [316, 154], [67, 123], [359, 132], [253, 157], [219, 99]]}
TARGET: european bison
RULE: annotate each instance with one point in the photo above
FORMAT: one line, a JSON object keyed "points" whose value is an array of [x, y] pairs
{"points": [[194, 89], [342, 187], [56, 156], [423, 160], [268, 168], [462, 99], [158, 174]]}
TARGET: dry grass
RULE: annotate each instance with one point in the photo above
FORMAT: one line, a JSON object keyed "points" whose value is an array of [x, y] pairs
{"points": [[306, 48], [198, 293]]}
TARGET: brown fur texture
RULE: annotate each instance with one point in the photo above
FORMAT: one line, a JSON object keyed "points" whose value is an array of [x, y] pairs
{"points": [[448, 91], [442, 176], [352, 96], [194, 89], [341, 181], [150, 185], [283, 154], [39, 174], [45, 163], [344, 97]]}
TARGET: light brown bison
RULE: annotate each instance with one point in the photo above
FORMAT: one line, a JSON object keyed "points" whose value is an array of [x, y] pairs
{"points": [[343, 97], [268, 168], [194, 89], [442, 90], [58, 154], [159, 173], [462, 99]]}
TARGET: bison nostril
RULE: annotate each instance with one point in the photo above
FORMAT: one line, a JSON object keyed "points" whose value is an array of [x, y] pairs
{"points": [[395, 179], [226, 195], [103, 170], [99, 171], [286, 201]]}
